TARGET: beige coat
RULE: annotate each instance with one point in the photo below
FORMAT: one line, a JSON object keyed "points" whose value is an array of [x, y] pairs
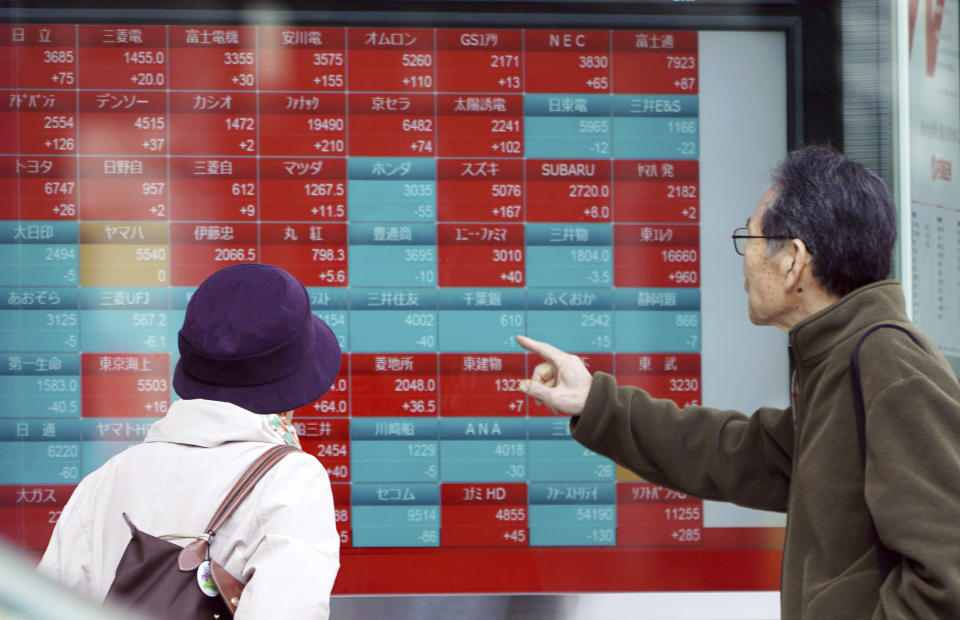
{"points": [[282, 540], [805, 460]]}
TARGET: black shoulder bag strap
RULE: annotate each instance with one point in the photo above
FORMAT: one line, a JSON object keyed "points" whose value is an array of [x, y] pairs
{"points": [[888, 559]]}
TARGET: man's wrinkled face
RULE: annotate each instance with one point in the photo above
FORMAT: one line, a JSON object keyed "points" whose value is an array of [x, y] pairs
{"points": [[761, 278]]}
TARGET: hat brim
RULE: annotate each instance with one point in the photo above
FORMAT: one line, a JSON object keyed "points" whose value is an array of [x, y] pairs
{"points": [[317, 372]]}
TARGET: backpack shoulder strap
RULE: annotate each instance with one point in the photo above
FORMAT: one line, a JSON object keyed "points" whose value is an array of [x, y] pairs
{"points": [[196, 552], [887, 558], [257, 470]]}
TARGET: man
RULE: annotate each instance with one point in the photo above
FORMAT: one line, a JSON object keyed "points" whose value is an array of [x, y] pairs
{"points": [[251, 352], [816, 252]]}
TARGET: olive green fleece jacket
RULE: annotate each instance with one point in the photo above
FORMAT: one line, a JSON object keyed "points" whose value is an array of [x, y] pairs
{"points": [[805, 460]]}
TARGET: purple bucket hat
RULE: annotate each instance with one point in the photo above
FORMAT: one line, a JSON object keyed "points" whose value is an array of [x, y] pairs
{"points": [[249, 338]]}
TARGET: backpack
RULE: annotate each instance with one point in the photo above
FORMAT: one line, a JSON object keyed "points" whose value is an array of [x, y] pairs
{"points": [[886, 557], [163, 580]]}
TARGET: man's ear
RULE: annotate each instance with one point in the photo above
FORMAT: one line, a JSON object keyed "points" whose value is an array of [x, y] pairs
{"points": [[795, 260]]}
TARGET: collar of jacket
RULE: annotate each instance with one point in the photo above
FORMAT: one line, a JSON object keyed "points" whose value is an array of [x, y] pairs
{"points": [[815, 336], [209, 423]]}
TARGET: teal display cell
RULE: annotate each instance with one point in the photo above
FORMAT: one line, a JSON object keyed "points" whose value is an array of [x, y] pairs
{"points": [[394, 461], [37, 330], [657, 331], [51, 386], [393, 429], [657, 299], [395, 494], [338, 321], [581, 137], [393, 331], [391, 168], [40, 462], [583, 331], [564, 105], [393, 201], [38, 232], [395, 536], [38, 265], [135, 331], [567, 461], [662, 106], [553, 266], [20, 397], [96, 453], [17, 270], [416, 516], [115, 430], [588, 236], [483, 461], [411, 265], [571, 535], [480, 331], [653, 138]]}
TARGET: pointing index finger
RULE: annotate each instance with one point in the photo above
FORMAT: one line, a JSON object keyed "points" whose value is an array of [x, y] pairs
{"points": [[547, 351]]}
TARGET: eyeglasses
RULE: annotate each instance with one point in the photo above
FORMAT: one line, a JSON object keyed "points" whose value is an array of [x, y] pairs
{"points": [[740, 238]]}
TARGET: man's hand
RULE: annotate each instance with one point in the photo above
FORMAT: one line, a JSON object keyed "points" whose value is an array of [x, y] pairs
{"points": [[561, 383]]}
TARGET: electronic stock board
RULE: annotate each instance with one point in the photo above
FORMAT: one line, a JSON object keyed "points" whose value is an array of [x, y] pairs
{"points": [[437, 190]]}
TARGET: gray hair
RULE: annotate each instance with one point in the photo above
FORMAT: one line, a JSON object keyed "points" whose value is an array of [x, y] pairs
{"points": [[840, 210]]}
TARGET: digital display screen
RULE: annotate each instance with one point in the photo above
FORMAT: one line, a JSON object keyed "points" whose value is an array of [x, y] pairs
{"points": [[437, 190]]}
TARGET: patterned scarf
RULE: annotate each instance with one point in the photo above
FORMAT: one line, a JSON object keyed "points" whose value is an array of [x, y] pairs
{"points": [[283, 428]]}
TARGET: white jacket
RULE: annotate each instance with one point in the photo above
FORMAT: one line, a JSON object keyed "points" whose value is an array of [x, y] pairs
{"points": [[281, 542]]}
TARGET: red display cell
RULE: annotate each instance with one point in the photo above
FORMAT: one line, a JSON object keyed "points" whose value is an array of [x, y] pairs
{"points": [[322, 429], [647, 493], [303, 124], [487, 61], [656, 256], [213, 188], [391, 125], [595, 362], [338, 468], [650, 515], [315, 254], [306, 189], [483, 536], [655, 62], [482, 494], [199, 249], [482, 384], [568, 190], [301, 59], [673, 375], [567, 61], [480, 126], [660, 535], [216, 58], [38, 188], [123, 122], [213, 124], [336, 402], [28, 514], [654, 364], [38, 56], [342, 517], [125, 385], [656, 191], [391, 60], [394, 385], [480, 255], [123, 188], [474, 190], [128, 58], [40, 123]]}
